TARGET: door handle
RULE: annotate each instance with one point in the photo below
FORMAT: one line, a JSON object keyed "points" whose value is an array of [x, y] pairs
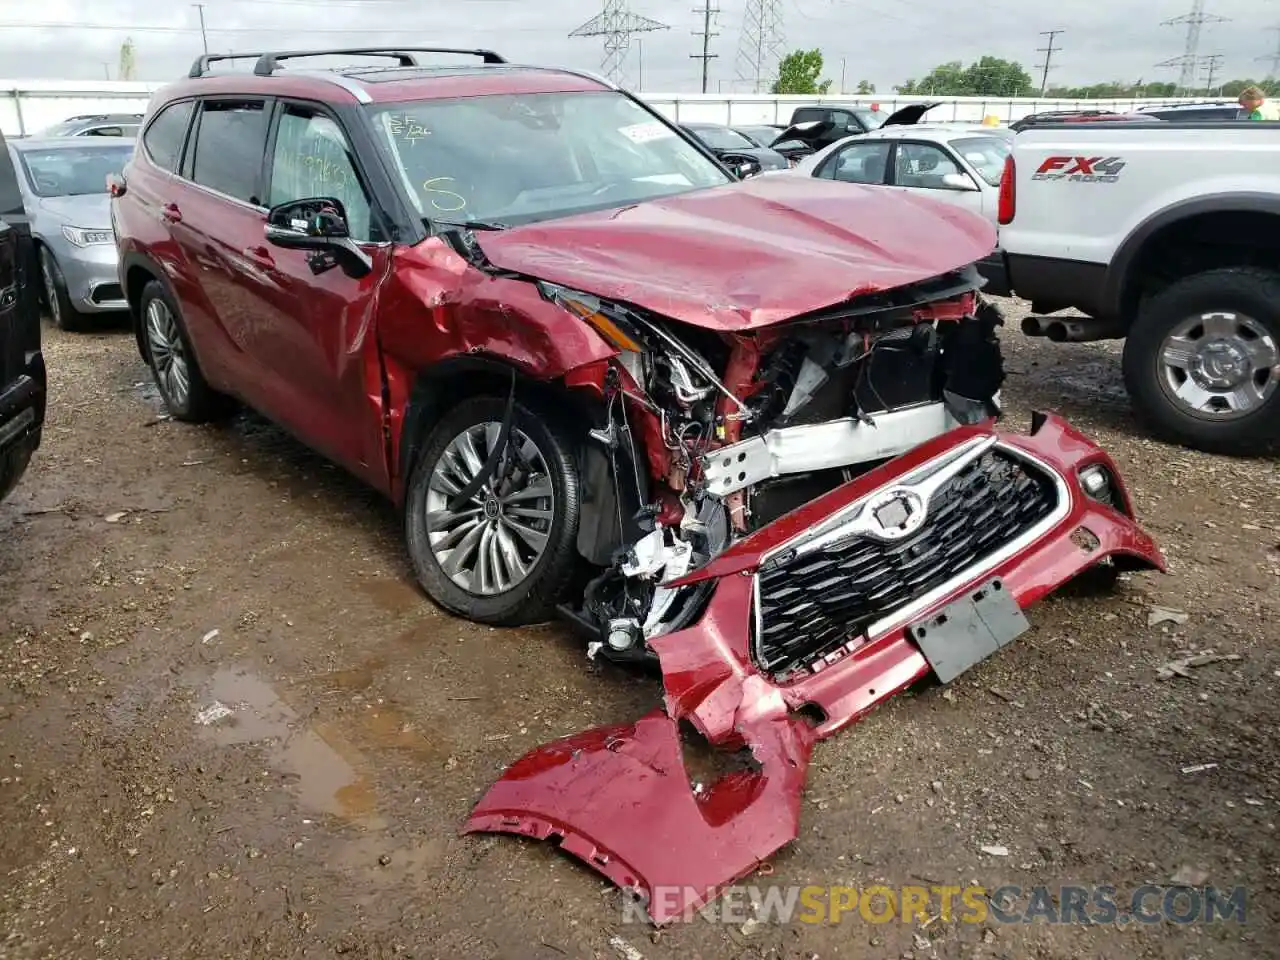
{"points": [[259, 255], [171, 213]]}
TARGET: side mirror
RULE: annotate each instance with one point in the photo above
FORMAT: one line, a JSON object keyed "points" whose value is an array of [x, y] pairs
{"points": [[957, 181], [318, 224], [742, 167]]}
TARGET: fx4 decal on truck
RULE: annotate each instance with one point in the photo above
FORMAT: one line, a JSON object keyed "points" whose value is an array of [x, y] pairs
{"points": [[1081, 169]]}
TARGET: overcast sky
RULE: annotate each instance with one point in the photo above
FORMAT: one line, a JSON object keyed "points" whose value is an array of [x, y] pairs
{"points": [[884, 41]]}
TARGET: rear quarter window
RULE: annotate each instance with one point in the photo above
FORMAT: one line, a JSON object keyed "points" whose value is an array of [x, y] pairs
{"points": [[166, 133]]}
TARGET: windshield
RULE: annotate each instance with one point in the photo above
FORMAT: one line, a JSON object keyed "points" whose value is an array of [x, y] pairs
{"points": [[722, 138], [872, 119], [763, 136], [520, 158], [985, 154], [73, 171]]}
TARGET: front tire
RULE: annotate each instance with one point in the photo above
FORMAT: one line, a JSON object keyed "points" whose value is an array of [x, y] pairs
{"points": [[185, 392], [508, 555], [1202, 361], [61, 310]]}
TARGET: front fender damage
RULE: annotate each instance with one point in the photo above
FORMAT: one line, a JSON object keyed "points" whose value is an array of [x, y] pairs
{"points": [[619, 797]]}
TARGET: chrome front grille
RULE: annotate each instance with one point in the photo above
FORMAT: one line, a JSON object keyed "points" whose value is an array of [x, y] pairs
{"points": [[812, 601]]}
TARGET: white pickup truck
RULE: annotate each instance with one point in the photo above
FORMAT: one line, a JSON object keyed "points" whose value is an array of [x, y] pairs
{"points": [[1167, 235]]}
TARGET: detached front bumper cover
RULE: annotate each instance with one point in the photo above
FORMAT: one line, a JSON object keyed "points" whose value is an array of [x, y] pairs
{"points": [[619, 798]]}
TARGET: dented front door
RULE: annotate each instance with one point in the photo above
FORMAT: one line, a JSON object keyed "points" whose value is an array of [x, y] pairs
{"points": [[317, 330]]}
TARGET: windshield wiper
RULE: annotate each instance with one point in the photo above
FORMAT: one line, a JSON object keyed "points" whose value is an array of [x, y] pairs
{"points": [[472, 224]]}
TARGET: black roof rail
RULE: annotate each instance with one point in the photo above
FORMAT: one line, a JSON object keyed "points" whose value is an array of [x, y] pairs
{"points": [[202, 64], [269, 62]]}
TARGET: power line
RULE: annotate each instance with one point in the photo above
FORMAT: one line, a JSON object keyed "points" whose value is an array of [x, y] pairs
{"points": [[1211, 64], [275, 31], [1048, 56], [705, 33], [1274, 58], [1189, 60], [204, 37]]}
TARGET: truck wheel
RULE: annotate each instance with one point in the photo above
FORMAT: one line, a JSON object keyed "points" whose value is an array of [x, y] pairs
{"points": [[1202, 361], [508, 555]]}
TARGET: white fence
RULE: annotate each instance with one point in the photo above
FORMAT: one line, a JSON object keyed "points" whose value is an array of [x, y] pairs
{"points": [[748, 108], [27, 107]]}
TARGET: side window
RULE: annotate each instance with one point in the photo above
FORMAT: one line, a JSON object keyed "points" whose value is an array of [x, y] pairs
{"points": [[923, 165], [806, 114], [165, 134], [313, 158], [231, 139], [864, 162], [104, 132]]}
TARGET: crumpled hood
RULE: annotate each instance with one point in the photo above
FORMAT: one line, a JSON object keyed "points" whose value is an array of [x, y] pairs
{"points": [[749, 254], [92, 211]]}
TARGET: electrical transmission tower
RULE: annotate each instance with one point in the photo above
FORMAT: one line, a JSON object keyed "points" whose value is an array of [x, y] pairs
{"points": [[616, 23], [1048, 52], [706, 56], [1273, 58], [1190, 59], [760, 47]]}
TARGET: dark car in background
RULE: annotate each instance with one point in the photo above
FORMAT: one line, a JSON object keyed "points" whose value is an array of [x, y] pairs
{"points": [[834, 121], [1080, 116], [1209, 110], [761, 134], [729, 145], [22, 372]]}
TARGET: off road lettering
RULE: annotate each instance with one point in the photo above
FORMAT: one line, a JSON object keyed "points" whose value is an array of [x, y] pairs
{"points": [[1080, 169]]}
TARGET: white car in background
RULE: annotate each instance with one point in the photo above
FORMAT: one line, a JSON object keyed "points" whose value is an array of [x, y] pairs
{"points": [[958, 163]]}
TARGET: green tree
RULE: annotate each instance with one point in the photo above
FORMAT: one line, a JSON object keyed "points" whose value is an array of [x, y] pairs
{"points": [[865, 87], [798, 73], [987, 76]]}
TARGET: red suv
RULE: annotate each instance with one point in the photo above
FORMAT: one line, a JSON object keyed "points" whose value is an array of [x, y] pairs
{"points": [[593, 366]]}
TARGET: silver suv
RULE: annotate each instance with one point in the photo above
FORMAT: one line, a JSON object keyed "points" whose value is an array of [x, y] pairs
{"points": [[96, 125]]}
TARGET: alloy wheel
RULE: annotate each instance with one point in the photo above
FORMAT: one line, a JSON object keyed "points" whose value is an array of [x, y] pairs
{"points": [[490, 544], [1219, 365], [168, 354]]}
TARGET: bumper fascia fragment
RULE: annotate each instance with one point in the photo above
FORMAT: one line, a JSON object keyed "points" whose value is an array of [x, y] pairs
{"points": [[618, 798]]}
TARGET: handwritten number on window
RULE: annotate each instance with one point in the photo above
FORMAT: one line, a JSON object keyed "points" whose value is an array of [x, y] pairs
{"points": [[407, 128]]}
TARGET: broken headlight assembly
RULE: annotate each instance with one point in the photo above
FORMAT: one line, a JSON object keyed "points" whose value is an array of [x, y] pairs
{"points": [[607, 321]]}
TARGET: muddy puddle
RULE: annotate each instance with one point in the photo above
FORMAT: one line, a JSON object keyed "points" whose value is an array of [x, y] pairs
{"points": [[329, 775]]}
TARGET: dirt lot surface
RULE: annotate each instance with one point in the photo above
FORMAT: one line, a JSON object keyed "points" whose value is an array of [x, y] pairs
{"points": [[155, 575]]}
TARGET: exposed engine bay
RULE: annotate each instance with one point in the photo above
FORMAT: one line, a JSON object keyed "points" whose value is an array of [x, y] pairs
{"points": [[709, 436]]}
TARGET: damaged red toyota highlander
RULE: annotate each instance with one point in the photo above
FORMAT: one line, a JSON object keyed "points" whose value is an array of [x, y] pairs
{"points": [[744, 430]]}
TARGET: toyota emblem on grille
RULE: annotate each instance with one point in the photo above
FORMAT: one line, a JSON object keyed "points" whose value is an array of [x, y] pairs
{"points": [[895, 514]]}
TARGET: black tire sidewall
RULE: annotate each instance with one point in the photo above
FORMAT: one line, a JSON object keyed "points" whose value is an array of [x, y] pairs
{"points": [[203, 402], [69, 318], [1252, 292], [535, 598]]}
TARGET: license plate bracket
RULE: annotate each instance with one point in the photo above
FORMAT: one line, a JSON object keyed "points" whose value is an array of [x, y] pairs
{"points": [[969, 630]]}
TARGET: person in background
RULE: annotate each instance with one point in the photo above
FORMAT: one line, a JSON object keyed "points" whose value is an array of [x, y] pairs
{"points": [[1256, 105]]}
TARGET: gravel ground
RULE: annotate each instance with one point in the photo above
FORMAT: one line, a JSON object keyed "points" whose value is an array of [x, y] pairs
{"points": [[151, 572]]}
